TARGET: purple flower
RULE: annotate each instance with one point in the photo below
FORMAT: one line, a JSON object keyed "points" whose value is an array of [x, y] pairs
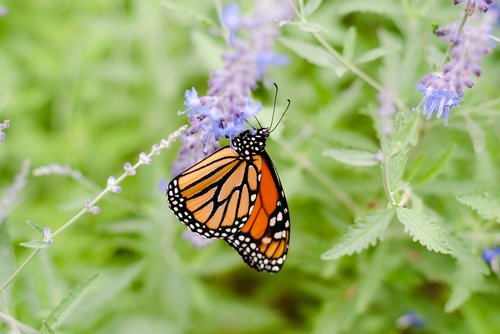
{"points": [[3, 126], [437, 100], [410, 319], [228, 105], [491, 255], [444, 90], [3, 10], [482, 5], [47, 236], [231, 18]]}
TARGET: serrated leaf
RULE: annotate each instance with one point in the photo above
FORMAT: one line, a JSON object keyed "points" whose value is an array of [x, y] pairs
{"points": [[35, 244], [352, 157], [397, 165], [61, 312], [485, 203], [468, 277], [311, 6], [405, 129], [361, 235], [312, 53], [424, 229], [35, 226], [46, 329]]}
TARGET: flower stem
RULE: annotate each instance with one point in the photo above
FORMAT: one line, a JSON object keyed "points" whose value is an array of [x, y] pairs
{"points": [[21, 267], [10, 321], [459, 31], [386, 171], [165, 144]]}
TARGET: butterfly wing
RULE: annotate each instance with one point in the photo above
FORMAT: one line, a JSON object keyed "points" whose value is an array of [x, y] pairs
{"points": [[263, 240], [216, 196]]}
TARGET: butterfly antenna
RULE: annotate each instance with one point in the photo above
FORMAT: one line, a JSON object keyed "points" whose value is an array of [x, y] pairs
{"points": [[260, 125], [274, 104], [284, 112]]}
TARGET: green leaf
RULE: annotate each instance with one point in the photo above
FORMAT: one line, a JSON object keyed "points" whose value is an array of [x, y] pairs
{"points": [[312, 53], [434, 167], [61, 312], [424, 229], [485, 203], [376, 53], [46, 329], [35, 226], [173, 6], [35, 244], [311, 6], [468, 277], [352, 157], [349, 43], [311, 27], [397, 165], [361, 235]]}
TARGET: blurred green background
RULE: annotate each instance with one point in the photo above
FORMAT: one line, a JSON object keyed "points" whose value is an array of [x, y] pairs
{"points": [[91, 84]]}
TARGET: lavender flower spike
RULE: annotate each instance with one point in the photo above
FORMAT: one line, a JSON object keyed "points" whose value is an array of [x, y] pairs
{"points": [[482, 5], [386, 111], [444, 90], [11, 194], [228, 104]]}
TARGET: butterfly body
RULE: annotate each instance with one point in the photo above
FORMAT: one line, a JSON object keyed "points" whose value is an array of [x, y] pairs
{"points": [[235, 194]]}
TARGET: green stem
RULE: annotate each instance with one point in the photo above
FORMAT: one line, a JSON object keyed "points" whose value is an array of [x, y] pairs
{"points": [[386, 171], [21, 267], [80, 214], [10, 321], [83, 211]]}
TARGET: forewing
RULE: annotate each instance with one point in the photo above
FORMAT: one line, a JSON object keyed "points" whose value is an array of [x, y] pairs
{"points": [[263, 240], [216, 196]]}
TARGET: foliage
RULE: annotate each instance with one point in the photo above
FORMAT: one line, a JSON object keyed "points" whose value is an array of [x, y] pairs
{"points": [[91, 84]]}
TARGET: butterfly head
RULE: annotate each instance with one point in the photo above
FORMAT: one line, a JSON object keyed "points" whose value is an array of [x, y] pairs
{"points": [[251, 142]]}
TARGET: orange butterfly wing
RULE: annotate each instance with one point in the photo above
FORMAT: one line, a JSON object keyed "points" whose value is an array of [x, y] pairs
{"points": [[216, 196], [263, 240]]}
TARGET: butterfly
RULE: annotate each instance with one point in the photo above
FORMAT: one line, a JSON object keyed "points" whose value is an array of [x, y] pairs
{"points": [[235, 194]]}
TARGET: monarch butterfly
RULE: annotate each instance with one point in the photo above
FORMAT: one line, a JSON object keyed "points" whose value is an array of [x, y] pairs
{"points": [[236, 194]]}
